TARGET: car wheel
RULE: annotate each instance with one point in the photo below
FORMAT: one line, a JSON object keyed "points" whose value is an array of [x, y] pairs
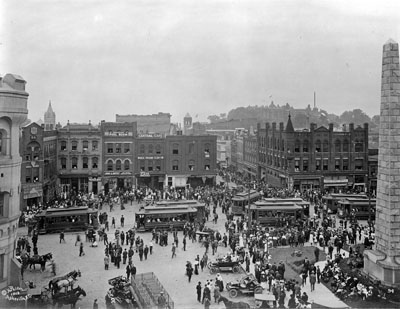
{"points": [[213, 270], [258, 290], [233, 293], [236, 269]]}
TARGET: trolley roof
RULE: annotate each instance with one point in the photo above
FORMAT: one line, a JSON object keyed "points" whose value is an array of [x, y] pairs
{"points": [[61, 212]]}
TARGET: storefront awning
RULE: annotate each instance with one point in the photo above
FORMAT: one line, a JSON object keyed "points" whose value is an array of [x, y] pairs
{"points": [[335, 182]]}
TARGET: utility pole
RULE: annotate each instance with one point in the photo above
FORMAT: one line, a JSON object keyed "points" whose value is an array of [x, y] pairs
{"points": [[248, 209]]}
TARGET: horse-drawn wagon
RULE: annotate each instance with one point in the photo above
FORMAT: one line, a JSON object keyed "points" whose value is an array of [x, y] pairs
{"points": [[121, 291]]}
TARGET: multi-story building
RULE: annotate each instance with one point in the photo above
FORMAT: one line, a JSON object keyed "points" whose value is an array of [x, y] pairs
{"points": [[50, 171], [190, 160], [250, 159], [13, 113], [79, 158], [150, 160], [155, 123], [315, 158], [49, 119], [31, 151], [118, 154], [224, 140]]}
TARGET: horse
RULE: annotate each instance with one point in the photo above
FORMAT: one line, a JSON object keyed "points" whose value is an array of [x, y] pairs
{"points": [[233, 305], [53, 283], [69, 298], [38, 259]]}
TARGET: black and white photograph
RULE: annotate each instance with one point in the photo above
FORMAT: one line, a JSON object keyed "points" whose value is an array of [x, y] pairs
{"points": [[192, 154]]}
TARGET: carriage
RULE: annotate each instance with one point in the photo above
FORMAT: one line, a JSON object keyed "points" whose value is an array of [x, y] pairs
{"points": [[122, 292], [224, 265], [246, 285]]}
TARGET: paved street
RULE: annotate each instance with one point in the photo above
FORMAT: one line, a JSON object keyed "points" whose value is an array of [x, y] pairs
{"points": [[169, 271]]}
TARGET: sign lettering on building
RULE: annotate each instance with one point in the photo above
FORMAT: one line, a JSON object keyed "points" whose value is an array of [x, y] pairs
{"points": [[144, 174], [117, 173], [151, 158], [153, 135]]}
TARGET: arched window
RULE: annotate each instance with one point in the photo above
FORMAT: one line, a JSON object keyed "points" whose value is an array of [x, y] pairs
{"points": [[110, 165], [150, 149], [191, 165], [175, 165], [74, 145], [338, 145], [126, 165], [345, 145], [63, 163], [207, 165], [359, 146], [175, 149], [95, 162], [63, 145], [317, 145], [297, 146], [74, 163], [305, 145], [325, 146], [207, 150], [85, 162], [118, 165]]}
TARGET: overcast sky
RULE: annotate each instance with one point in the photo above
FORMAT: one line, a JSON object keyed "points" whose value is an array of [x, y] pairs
{"points": [[95, 59]]}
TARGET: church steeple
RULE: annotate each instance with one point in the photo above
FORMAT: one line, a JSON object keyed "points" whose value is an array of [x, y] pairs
{"points": [[289, 125], [49, 118]]}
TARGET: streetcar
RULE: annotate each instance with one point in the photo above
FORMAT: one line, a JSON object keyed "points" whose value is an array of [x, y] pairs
{"points": [[242, 199], [164, 217], [359, 209], [201, 207], [271, 213], [331, 201], [55, 220], [297, 200]]}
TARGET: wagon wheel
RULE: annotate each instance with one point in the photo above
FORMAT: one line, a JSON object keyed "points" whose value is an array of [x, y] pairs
{"points": [[213, 270], [209, 265], [233, 293], [236, 269], [258, 290]]}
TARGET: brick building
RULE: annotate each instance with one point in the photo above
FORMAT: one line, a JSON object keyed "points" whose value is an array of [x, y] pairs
{"points": [[31, 151], [118, 154], [190, 160], [150, 160], [50, 171], [316, 158], [79, 158], [155, 123]]}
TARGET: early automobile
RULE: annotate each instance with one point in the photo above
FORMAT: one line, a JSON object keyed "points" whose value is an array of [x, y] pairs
{"points": [[224, 265], [246, 285]]}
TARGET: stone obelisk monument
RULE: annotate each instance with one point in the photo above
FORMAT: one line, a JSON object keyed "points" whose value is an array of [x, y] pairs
{"points": [[383, 262]]}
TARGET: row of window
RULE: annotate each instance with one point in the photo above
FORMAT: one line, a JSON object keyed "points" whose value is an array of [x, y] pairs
{"points": [[176, 149], [74, 163], [118, 148], [118, 165], [324, 146], [74, 145], [340, 165], [191, 165]]}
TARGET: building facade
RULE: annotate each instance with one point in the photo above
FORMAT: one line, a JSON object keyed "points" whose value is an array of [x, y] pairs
{"points": [[316, 158], [31, 151], [118, 153], [50, 171], [150, 160], [13, 113], [79, 158], [190, 160], [156, 123]]}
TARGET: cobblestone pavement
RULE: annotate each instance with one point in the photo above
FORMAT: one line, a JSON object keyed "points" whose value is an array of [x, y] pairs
{"points": [[169, 271]]}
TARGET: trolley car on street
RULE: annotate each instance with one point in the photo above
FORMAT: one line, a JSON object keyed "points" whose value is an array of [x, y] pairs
{"points": [[55, 220], [331, 201], [165, 217], [241, 200], [201, 207], [356, 208], [273, 213]]}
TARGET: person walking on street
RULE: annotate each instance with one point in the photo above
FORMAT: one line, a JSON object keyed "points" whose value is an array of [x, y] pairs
{"points": [[106, 261], [173, 250], [62, 237], [113, 222], [189, 272], [313, 279], [128, 271], [124, 256], [122, 221], [133, 271], [198, 289], [151, 247], [184, 243], [78, 239], [81, 252], [146, 252]]}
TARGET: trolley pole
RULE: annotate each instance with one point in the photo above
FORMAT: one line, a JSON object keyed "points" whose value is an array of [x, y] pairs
{"points": [[248, 209]]}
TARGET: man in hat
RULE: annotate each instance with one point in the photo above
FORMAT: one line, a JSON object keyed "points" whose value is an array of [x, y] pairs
{"points": [[161, 301], [198, 289], [313, 279]]}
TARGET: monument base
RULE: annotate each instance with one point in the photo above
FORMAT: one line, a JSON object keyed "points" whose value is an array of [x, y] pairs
{"points": [[381, 267]]}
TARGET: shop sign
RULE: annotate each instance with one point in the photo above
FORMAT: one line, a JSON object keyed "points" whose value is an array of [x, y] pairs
{"points": [[153, 135], [151, 158], [144, 174], [15, 293], [117, 173], [95, 179]]}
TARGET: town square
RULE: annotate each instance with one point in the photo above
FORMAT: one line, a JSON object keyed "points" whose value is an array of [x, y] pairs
{"points": [[178, 154]]}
